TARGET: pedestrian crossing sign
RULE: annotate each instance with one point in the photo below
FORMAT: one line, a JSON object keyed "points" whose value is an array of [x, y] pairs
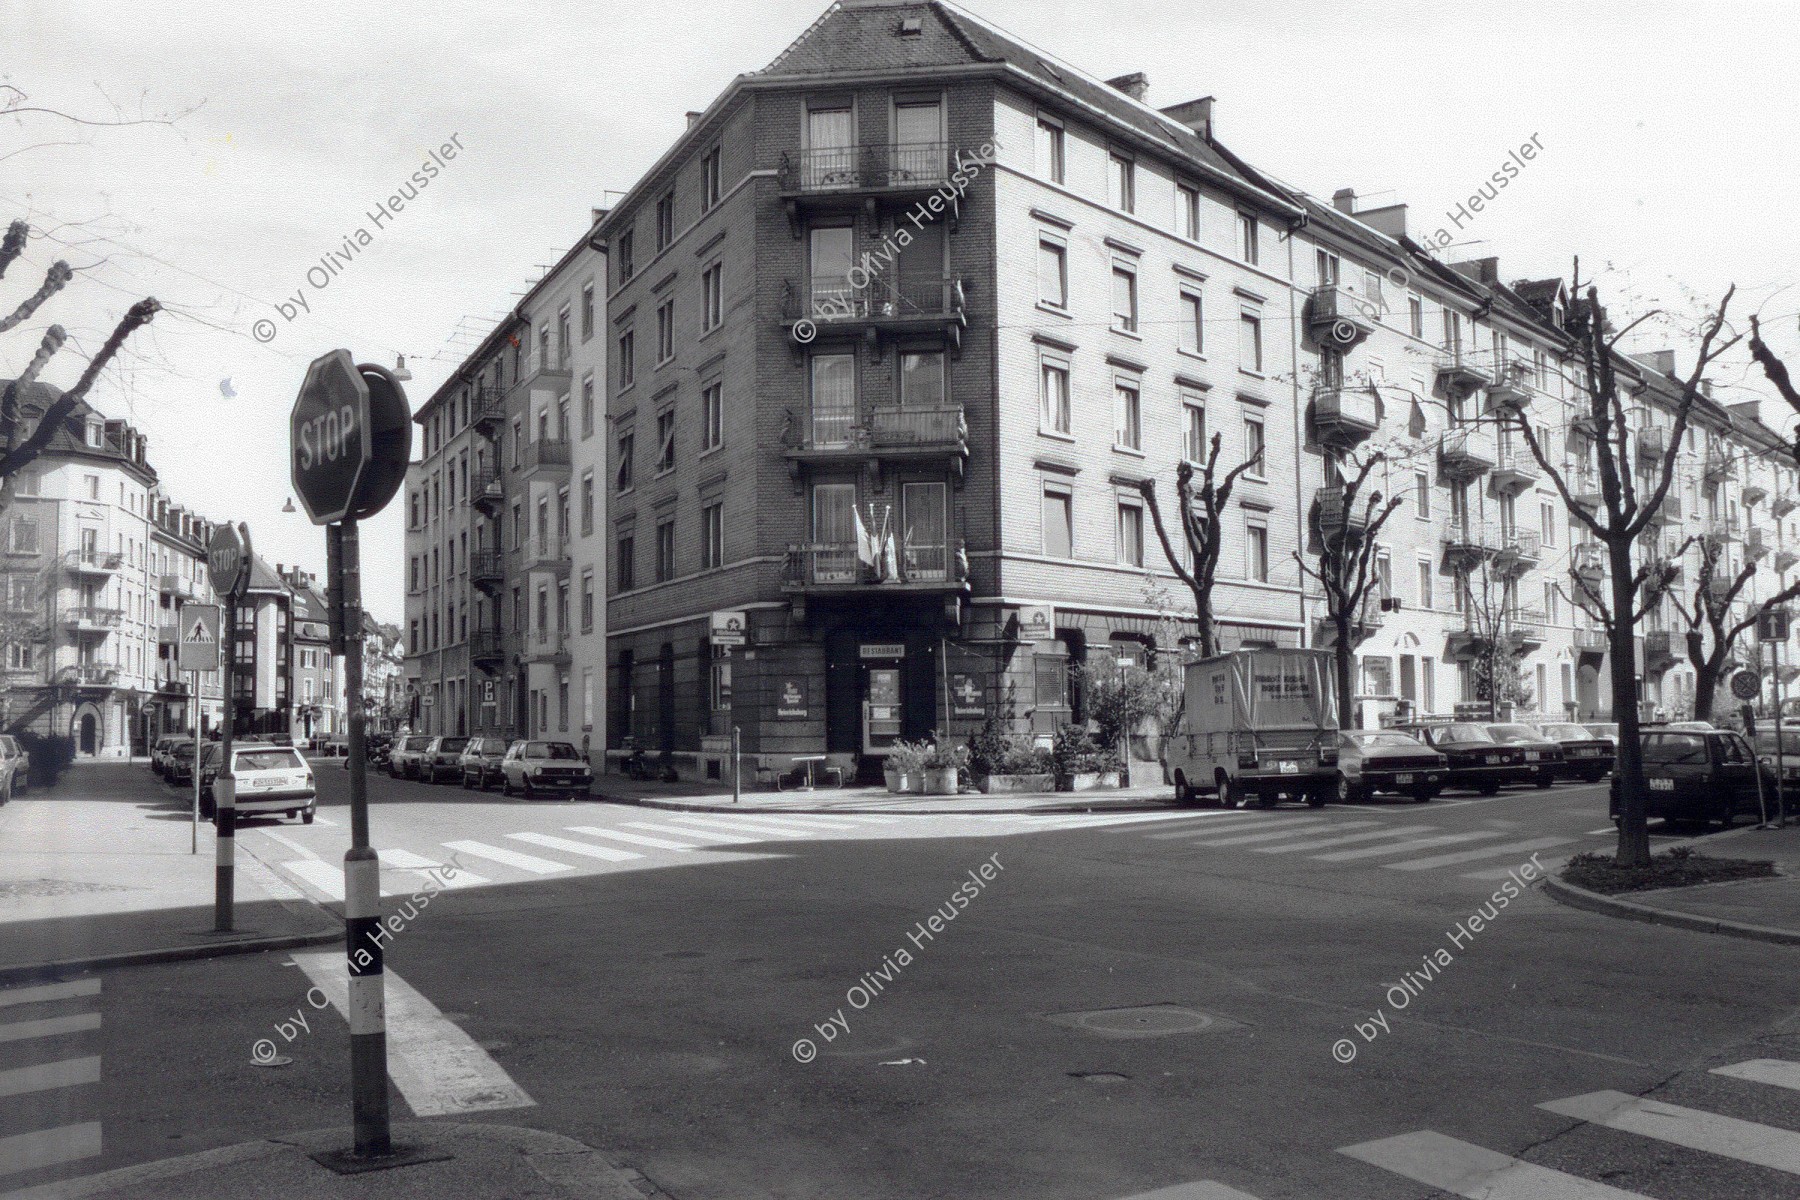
{"points": [[197, 643]]}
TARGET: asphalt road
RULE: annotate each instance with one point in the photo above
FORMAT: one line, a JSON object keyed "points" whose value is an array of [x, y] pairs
{"points": [[650, 999]]}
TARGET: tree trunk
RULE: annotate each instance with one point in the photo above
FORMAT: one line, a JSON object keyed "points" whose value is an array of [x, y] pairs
{"points": [[1634, 836], [1343, 661], [1706, 684]]}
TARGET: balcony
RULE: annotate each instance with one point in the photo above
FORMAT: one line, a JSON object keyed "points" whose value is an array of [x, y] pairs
{"points": [[548, 647], [487, 411], [1337, 316], [549, 369], [1468, 542], [1518, 553], [1466, 453], [1784, 505], [1469, 642], [1756, 547], [1363, 626], [93, 563], [894, 305], [1660, 649], [833, 567], [1525, 630], [1585, 490], [88, 675], [1784, 559], [548, 553], [1591, 641], [1515, 470], [1507, 393], [487, 570], [1669, 511], [89, 619], [168, 635], [848, 178], [1587, 564], [1652, 442], [1338, 519], [1345, 417], [1460, 372], [488, 491], [176, 585], [486, 649], [1719, 532], [914, 434], [172, 688], [1718, 588], [1719, 465], [1754, 493], [546, 457]]}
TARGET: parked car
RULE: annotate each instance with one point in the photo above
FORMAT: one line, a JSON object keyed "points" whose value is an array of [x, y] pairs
{"points": [[1544, 756], [1473, 758], [1385, 760], [1764, 743], [442, 759], [13, 751], [1586, 755], [481, 762], [334, 745], [551, 766], [407, 756], [270, 779], [180, 768], [279, 739], [159, 751], [1604, 729], [1708, 776]]}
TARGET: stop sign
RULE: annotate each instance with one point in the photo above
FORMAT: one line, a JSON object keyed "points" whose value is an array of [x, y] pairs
{"points": [[228, 558], [332, 442]]}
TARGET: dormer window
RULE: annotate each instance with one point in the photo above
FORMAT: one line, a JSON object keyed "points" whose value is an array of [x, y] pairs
{"points": [[96, 435]]}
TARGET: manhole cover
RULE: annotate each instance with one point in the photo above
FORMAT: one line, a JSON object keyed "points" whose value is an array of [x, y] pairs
{"points": [[1149, 1020], [1099, 1077]]}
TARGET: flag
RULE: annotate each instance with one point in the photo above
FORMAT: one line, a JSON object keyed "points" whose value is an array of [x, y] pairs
{"points": [[867, 552], [890, 559]]}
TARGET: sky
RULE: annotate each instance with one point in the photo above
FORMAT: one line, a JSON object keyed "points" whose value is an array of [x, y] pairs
{"points": [[1661, 127]]}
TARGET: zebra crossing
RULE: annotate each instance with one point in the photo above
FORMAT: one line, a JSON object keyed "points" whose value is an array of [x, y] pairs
{"points": [[37, 1073], [1409, 845], [1461, 1168]]}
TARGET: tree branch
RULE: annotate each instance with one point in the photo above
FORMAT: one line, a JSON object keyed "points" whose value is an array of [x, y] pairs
{"points": [[18, 456], [55, 279]]}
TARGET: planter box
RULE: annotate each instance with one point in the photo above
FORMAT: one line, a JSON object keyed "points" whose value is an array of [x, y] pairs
{"points": [[1090, 781], [1145, 774], [1016, 783], [939, 781], [898, 782]]}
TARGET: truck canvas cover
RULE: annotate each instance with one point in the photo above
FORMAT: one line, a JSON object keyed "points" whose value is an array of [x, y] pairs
{"points": [[1262, 689]]}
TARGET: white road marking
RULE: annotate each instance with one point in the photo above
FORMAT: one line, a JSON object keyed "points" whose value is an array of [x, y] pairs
{"points": [[1277, 834], [44, 1077], [1746, 1141], [782, 824], [1403, 847], [48, 1147], [1610, 829], [438, 1068], [635, 839], [1326, 843], [1242, 821], [805, 822], [705, 835], [512, 858], [1776, 1071], [1474, 1172], [320, 874], [1205, 816], [571, 846], [1206, 1189], [39, 993], [289, 842], [432, 869], [20, 1031], [1463, 856], [738, 826]]}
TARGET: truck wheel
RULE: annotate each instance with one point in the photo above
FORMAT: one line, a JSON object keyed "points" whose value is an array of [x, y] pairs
{"points": [[1184, 795], [1230, 795]]}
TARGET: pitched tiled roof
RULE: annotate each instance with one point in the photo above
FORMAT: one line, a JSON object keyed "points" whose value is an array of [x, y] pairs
{"points": [[71, 437]]}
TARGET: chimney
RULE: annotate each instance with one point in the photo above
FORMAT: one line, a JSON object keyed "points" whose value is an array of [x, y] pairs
{"points": [[694, 118], [1344, 200], [1481, 270], [1390, 220], [1662, 361], [1706, 388], [1134, 85], [1195, 114], [1750, 409]]}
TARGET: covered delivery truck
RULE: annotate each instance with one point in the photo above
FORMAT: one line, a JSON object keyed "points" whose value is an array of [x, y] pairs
{"points": [[1258, 724]]}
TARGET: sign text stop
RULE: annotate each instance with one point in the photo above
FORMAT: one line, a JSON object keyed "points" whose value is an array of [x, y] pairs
{"points": [[331, 445]]}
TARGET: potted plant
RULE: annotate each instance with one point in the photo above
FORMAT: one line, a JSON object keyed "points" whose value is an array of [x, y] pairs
{"points": [[941, 765], [1027, 767], [904, 766]]}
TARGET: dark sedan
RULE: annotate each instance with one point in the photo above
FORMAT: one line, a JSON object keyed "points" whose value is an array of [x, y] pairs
{"points": [[1707, 776], [1371, 761], [1790, 760], [481, 762], [1544, 756], [1473, 758], [1586, 755]]}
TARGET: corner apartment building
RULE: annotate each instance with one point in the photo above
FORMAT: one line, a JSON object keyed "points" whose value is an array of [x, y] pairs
{"points": [[501, 513], [178, 561], [317, 691]]}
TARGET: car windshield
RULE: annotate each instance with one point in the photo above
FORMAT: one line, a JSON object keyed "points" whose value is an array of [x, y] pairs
{"points": [[1463, 733], [557, 750], [1514, 733], [1381, 739], [1670, 748], [274, 758], [452, 745], [1604, 729], [9, 745], [1790, 742], [184, 750], [417, 743], [1566, 733]]}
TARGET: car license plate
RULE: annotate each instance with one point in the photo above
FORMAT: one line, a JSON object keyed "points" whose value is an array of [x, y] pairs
{"points": [[1531, 756], [1494, 759], [1403, 779], [1662, 785], [1289, 768], [1586, 753]]}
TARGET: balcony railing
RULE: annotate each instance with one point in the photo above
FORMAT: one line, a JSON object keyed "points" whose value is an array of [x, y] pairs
{"points": [[1755, 545], [1462, 372], [1508, 391], [487, 411], [88, 674], [1336, 515], [546, 553], [1514, 467], [488, 488], [94, 562], [1651, 443], [1719, 464], [900, 427], [868, 166], [1338, 316], [1469, 537], [485, 645], [1785, 559], [1526, 626], [836, 564], [91, 618], [1520, 547], [895, 299], [1345, 416], [1659, 649], [1466, 452], [486, 566], [175, 585], [1753, 493], [546, 453], [1591, 641]]}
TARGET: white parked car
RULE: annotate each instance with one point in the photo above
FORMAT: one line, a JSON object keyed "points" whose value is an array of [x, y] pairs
{"points": [[544, 766], [270, 780]]}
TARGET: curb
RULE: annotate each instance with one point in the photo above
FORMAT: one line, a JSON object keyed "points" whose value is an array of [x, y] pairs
{"points": [[1578, 897], [1057, 810], [30, 972], [571, 1168]]}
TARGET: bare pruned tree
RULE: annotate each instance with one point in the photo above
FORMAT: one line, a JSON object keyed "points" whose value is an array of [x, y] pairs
{"points": [[1714, 620], [1622, 512], [1198, 508]]}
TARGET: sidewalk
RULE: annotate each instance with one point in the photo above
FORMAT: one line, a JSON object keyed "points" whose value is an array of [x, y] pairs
{"points": [[98, 872], [710, 797], [1766, 910]]}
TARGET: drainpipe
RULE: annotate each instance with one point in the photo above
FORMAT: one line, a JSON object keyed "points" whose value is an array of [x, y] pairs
{"points": [[1306, 637]]}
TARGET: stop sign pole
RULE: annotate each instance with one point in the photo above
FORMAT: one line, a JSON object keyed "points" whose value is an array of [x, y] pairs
{"points": [[352, 437]]}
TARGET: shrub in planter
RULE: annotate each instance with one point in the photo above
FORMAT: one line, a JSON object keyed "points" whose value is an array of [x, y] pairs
{"points": [[904, 767], [942, 764]]}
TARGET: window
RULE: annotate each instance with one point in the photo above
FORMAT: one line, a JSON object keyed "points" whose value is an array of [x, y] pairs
{"points": [[922, 379], [1254, 445], [1050, 149], [1125, 300], [1187, 211], [1053, 274], [1195, 413], [1415, 316], [1054, 387], [712, 296], [622, 248], [1250, 347], [1547, 522], [833, 379], [587, 405], [1059, 522], [625, 562], [627, 447], [1121, 174], [721, 680], [665, 221], [24, 536], [627, 358], [587, 311], [1552, 604], [1327, 266], [712, 536], [665, 441], [1426, 573], [1256, 552], [1246, 228], [665, 550], [1193, 323], [1422, 495], [562, 340], [91, 484], [587, 503], [1128, 422], [665, 332], [709, 179], [1131, 534], [712, 416]]}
